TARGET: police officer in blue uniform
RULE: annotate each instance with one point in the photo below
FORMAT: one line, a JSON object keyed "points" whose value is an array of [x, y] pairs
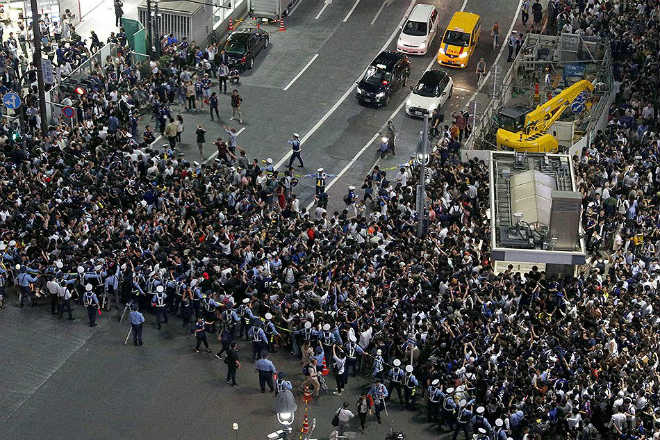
{"points": [[449, 409], [158, 301], [395, 376], [378, 393], [463, 417], [410, 385], [200, 335], [137, 321], [377, 370], [353, 350], [245, 313], [271, 332], [435, 398], [25, 281], [91, 302], [258, 337], [296, 149], [266, 369], [3, 283]]}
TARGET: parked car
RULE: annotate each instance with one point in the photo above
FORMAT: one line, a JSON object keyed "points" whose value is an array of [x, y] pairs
{"points": [[244, 45]]}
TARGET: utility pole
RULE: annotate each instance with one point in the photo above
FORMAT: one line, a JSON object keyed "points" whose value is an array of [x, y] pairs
{"points": [[422, 158], [156, 29], [150, 29], [36, 59]]}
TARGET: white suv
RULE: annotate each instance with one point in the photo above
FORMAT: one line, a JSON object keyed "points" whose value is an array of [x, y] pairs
{"points": [[419, 31], [431, 92]]}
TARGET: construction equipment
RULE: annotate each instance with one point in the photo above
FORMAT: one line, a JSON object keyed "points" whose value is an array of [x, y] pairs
{"points": [[527, 131]]}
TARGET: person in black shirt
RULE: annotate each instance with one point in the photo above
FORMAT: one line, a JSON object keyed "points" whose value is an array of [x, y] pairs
{"points": [[213, 105], [232, 364], [200, 132]]}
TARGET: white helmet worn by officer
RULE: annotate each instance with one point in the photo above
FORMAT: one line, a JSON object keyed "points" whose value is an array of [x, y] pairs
{"points": [[409, 368], [396, 362]]}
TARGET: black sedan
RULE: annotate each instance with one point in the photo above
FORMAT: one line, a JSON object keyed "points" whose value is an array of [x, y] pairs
{"points": [[386, 74], [244, 45]]}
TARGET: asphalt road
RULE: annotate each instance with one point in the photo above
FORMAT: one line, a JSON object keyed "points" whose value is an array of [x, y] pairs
{"points": [[317, 61], [65, 380]]}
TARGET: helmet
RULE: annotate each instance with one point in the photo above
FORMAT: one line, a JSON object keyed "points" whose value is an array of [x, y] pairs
{"points": [[80, 269], [409, 368], [326, 327], [308, 325], [499, 422], [396, 362], [59, 264], [480, 410], [159, 288], [450, 390], [246, 300], [379, 352], [88, 287], [296, 135], [269, 316], [320, 170], [435, 382]]}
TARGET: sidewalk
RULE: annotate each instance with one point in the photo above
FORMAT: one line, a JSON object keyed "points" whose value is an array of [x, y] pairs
{"points": [[102, 19]]}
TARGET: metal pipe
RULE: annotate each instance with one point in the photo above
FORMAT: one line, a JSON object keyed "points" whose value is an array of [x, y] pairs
{"points": [[36, 59]]}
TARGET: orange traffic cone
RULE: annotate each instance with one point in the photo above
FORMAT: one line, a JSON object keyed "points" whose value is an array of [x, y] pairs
{"points": [[282, 28], [324, 370], [231, 25], [307, 395], [305, 425]]}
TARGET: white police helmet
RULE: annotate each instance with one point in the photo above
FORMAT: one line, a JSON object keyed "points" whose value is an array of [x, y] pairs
{"points": [[80, 269], [326, 327], [480, 410], [320, 170], [59, 264], [450, 390], [296, 135], [379, 352], [409, 368], [396, 362], [308, 325], [18, 267], [88, 287], [159, 288], [269, 316], [499, 422], [246, 300], [435, 382]]}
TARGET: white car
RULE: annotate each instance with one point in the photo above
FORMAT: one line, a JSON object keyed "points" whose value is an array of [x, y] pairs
{"points": [[431, 92], [419, 31]]}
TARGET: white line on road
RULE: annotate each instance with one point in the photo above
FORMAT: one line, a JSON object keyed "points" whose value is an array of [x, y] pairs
{"points": [[497, 59], [378, 13], [351, 11], [211, 157], [301, 72], [160, 136], [348, 92], [294, 8], [325, 5]]}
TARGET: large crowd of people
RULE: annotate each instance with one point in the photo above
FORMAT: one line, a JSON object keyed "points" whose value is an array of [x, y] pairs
{"points": [[92, 208]]}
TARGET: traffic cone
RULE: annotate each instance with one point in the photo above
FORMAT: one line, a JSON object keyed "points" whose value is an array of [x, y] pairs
{"points": [[305, 425], [307, 395], [231, 25], [324, 370], [282, 28]]}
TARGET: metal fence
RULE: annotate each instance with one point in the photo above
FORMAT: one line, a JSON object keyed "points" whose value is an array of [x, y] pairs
{"points": [[55, 115]]}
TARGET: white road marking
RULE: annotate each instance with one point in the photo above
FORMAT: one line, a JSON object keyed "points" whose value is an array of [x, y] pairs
{"points": [[378, 13], [301, 72], [392, 116], [211, 157], [325, 5], [351, 11], [160, 136], [345, 95], [294, 8], [497, 59]]}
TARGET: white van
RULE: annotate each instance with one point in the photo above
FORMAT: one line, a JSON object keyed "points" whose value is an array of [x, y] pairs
{"points": [[419, 31]]}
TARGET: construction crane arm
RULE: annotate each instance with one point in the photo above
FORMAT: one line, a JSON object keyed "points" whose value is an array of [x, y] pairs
{"points": [[542, 117]]}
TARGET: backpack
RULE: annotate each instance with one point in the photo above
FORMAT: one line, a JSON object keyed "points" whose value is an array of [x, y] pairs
{"points": [[306, 370]]}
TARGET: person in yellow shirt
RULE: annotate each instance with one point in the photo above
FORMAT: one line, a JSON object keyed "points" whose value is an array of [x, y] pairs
{"points": [[171, 131]]}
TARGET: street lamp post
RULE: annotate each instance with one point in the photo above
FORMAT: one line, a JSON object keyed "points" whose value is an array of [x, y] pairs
{"points": [[422, 159]]}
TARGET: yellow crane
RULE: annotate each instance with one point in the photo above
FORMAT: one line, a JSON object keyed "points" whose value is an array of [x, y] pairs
{"points": [[526, 131]]}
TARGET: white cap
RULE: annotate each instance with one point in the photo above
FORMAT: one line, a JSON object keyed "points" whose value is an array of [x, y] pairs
{"points": [[159, 289], [409, 368], [308, 324], [450, 390], [480, 410], [326, 327], [269, 316], [246, 300], [80, 269], [481, 430], [269, 160], [320, 170], [88, 287], [18, 267], [296, 135], [396, 362], [351, 187], [143, 202], [435, 382], [59, 264], [379, 352], [499, 422]]}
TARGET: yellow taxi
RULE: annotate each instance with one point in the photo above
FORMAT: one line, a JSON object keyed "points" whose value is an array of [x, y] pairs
{"points": [[460, 40]]}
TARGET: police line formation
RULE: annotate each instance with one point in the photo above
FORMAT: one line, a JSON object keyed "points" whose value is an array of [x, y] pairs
{"points": [[88, 219]]}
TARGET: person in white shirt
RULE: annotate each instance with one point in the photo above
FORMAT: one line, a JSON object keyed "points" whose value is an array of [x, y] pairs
{"points": [[344, 415]]}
